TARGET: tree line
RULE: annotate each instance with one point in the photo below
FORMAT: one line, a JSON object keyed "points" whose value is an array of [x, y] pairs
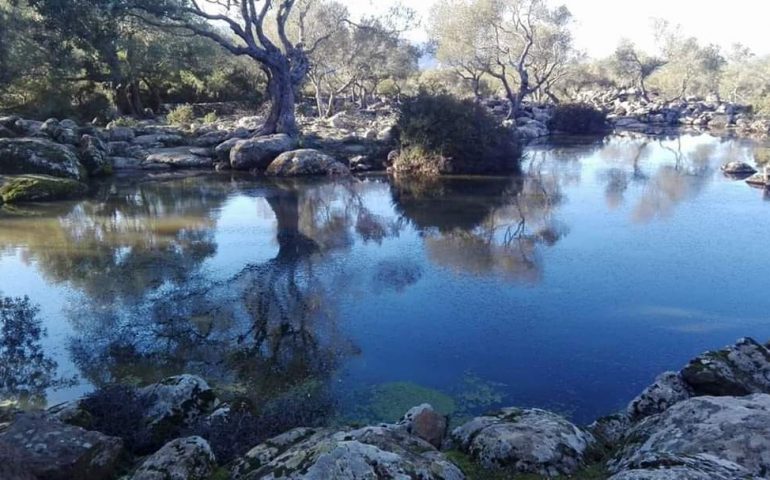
{"points": [[80, 57]]}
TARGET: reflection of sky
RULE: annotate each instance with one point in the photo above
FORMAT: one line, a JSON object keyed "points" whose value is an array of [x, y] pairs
{"points": [[620, 297]]}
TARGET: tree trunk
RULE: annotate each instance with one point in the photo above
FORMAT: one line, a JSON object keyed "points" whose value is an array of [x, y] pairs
{"points": [[281, 118]]}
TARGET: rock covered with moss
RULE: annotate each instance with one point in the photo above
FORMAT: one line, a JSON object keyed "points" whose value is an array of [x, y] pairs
{"points": [[525, 441], [39, 188], [367, 453], [188, 458]]}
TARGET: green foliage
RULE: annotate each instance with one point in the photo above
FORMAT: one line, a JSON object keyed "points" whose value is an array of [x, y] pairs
{"points": [[210, 118], [181, 116], [459, 131], [578, 119]]}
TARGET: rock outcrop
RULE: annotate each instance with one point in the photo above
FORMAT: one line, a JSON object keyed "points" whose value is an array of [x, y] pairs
{"points": [[44, 448], [188, 458], [35, 155], [526, 441], [732, 429], [367, 453]]}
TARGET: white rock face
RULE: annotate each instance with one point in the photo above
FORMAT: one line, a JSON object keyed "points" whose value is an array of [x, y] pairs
{"points": [[364, 454], [734, 429], [182, 459], [179, 157], [528, 441]]}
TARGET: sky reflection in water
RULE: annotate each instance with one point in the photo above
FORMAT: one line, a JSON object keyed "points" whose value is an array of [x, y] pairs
{"points": [[569, 288]]}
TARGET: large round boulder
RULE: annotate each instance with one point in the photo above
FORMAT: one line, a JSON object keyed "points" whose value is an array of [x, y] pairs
{"points": [[525, 441], [37, 155], [94, 155], [39, 188], [306, 162], [257, 153], [368, 453], [734, 429]]}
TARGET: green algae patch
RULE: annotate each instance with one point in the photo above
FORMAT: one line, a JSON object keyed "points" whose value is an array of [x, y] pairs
{"points": [[40, 188], [390, 401]]}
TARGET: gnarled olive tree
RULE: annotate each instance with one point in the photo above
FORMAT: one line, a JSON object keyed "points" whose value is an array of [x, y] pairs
{"points": [[258, 29]]}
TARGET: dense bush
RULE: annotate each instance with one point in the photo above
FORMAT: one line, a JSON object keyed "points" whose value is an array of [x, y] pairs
{"points": [[118, 411], [244, 427], [443, 134], [578, 119], [181, 116]]}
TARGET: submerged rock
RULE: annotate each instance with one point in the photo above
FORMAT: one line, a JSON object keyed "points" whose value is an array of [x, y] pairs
{"points": [[47, 449], [181, 459], [740, 369], [668, 389], [257, 153], [363, 454], [306, 162], [40, 188], [36, 155], [527, 441], [729, 428]]}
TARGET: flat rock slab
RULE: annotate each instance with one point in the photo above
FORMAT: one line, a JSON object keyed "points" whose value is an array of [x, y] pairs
{"points": [[51, 450], [180, 157]]}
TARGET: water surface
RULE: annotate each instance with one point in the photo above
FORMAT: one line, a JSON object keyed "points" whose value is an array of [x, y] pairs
{"points": [[568, 288]]}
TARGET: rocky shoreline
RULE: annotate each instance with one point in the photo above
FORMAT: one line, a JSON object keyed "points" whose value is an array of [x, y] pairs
{"points": [[52, 160], [710, 420]]}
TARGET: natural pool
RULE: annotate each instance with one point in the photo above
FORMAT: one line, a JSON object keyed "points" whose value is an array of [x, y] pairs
{"points": [[569, 288]]}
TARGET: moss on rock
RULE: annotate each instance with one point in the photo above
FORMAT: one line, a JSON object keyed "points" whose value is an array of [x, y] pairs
{"points": [[40, 188]]}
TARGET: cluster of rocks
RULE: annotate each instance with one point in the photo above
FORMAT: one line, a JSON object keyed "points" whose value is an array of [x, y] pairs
{"points": [[710, 420], [51, 160], [530, 123], [628, 109]]}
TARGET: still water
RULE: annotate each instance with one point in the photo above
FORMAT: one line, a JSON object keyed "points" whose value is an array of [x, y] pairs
{"points": [[569, 288]]}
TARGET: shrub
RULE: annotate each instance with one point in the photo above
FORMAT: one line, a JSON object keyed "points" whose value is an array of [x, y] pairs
{"points": [[210, 118], [442, 134], [118, 411], [578, 119], [182, 116]]}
